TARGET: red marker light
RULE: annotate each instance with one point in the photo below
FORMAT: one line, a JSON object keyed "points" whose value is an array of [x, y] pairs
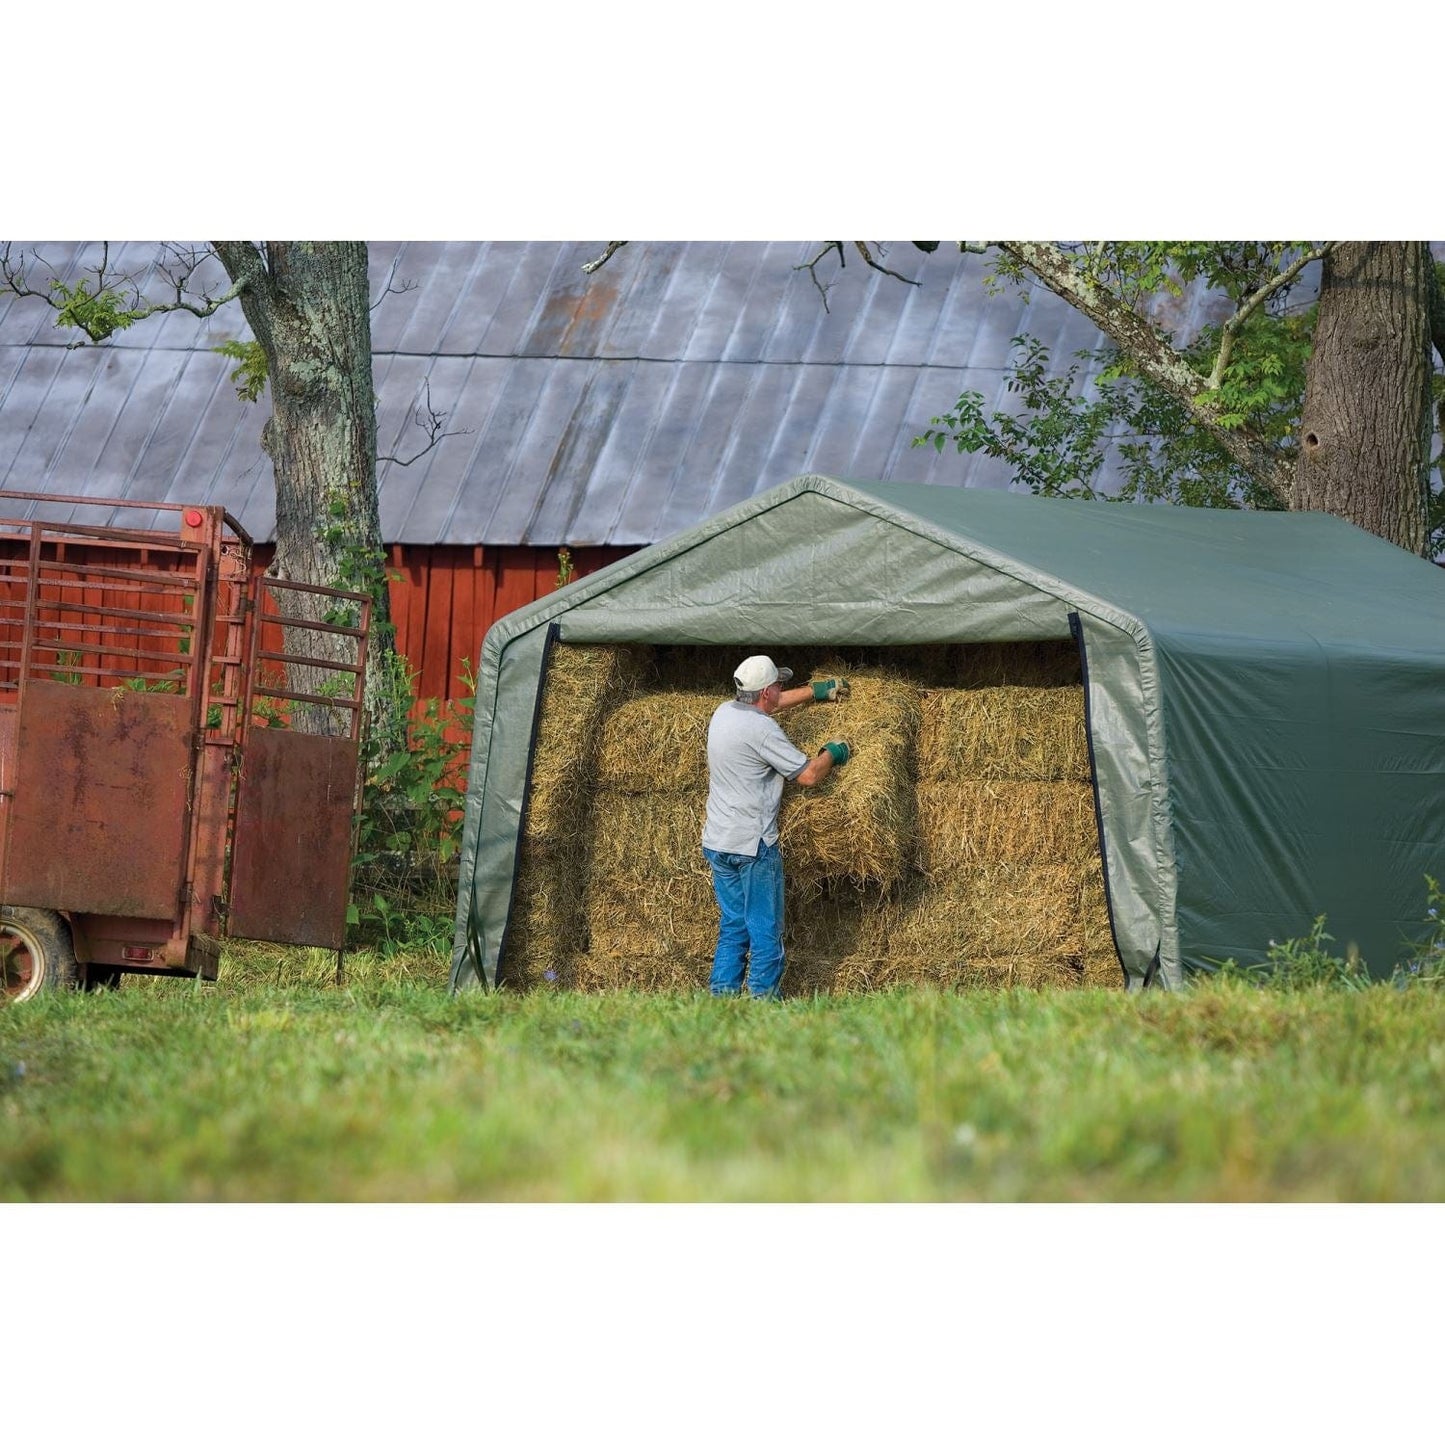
{"points": [[193, 517]]}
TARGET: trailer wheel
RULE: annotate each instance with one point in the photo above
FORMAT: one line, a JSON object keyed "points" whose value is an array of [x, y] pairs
{"points": [[35, 953]]}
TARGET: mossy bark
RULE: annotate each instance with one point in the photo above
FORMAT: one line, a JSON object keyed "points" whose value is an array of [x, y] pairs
{"points": [[308, 303]]}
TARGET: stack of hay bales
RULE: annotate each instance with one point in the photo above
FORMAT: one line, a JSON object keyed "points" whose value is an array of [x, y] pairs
{"points": [[958, 847], [1007, 830], [651, 918], [547, 928], [860, 825]]}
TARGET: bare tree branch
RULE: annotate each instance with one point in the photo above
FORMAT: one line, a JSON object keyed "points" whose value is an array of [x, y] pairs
{"points": [[811, 267], [613, 247], [389, 289], [433, 423], [179, 264], [862, 248]]}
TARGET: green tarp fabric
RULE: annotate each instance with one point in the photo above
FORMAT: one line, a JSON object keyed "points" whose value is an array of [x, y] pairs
{"points": [[1265, 691]]}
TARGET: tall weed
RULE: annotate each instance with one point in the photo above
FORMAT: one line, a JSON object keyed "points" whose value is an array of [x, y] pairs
{"points": [[1309, 963], [1426, 964], [410, 834]]}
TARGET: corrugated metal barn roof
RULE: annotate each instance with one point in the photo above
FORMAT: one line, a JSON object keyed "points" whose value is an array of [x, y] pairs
{"points": [[614, 408]]}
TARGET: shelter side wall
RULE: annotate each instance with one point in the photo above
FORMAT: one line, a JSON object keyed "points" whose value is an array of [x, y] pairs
{"points": [[1125, 735], [508, 680], [1306, 781]]}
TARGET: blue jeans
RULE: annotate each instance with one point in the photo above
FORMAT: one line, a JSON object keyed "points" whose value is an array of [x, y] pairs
{"points": [[750, 937]]}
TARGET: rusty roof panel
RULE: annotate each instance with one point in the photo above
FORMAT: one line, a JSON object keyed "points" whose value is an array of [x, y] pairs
{"points": [[616, 407]]}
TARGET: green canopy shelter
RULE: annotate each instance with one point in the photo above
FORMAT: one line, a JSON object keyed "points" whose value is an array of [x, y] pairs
{"points": [[1264, 692]]}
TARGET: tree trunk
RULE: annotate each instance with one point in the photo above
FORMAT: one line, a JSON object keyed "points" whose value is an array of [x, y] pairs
{"points": [[1366, 423], [309, 305]]}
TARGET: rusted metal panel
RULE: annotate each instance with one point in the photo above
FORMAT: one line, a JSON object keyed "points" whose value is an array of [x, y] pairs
{"points": [[101, 801], [8, 723], [211, 834], [291, 859]]}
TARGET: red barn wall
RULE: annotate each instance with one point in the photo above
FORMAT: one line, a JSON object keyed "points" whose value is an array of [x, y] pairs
{"points": [[443, 599]]}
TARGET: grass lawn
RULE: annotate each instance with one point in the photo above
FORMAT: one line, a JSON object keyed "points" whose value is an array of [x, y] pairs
{"points": [[276, 1084]]}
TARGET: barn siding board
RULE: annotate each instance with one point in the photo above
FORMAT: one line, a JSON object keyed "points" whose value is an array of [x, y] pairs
{"points": [[436, 654], [414, 579], [444, 598], [464, 617], [516, 585]]}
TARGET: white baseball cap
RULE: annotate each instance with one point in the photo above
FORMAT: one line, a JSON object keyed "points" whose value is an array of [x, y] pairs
{"points": [[756, 673]]}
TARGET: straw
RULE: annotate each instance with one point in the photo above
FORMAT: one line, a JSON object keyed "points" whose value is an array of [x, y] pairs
{"points": [[958, 848]]}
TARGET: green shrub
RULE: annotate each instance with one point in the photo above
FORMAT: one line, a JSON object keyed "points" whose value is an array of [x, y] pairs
{"points": [[1305, 963], [410, 833], [1301, 963]]}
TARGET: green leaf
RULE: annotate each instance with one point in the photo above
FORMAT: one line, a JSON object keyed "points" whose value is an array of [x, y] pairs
{"points": [[250, 376]]}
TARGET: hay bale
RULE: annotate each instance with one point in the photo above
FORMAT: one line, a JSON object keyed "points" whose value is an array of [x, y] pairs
{"points": [[613, 891], [860, 823], [1025, 971], [988, 911], [1024, 734], [967, 824], [1103, 970], [547, 923], [600, 971], [647, 836], [649, 891], [644, 922], [832, 917], [656, 742], [1020, 971], [581, 686], [1094, 908]]}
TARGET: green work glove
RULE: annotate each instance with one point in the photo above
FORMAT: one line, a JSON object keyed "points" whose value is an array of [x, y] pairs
{"points": [[839, 751], [830, 689]]}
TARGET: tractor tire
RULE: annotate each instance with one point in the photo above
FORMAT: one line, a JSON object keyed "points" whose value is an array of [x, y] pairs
{"points": [[36, 953]]}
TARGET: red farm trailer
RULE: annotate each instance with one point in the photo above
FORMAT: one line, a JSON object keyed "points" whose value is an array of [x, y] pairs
{"points": [[179, 745]]}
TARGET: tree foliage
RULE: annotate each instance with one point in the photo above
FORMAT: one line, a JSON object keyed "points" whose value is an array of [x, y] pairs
{"points": [[249, 377], [1058, 439], [1214, 422]]}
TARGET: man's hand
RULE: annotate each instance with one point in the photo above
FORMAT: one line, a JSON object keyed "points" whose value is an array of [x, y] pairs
{"points": [[831, 755], [830, 689]]}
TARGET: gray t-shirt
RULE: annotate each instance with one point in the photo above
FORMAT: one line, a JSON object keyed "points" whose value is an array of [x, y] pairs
{"points": [[748, 757]]}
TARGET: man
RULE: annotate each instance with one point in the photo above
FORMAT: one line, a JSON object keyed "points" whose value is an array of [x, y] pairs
{"points": [[749, 757]]}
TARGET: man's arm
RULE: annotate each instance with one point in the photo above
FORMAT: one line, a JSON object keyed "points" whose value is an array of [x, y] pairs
{"points": [[815, 770], [832, 755], [827, 690]]}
